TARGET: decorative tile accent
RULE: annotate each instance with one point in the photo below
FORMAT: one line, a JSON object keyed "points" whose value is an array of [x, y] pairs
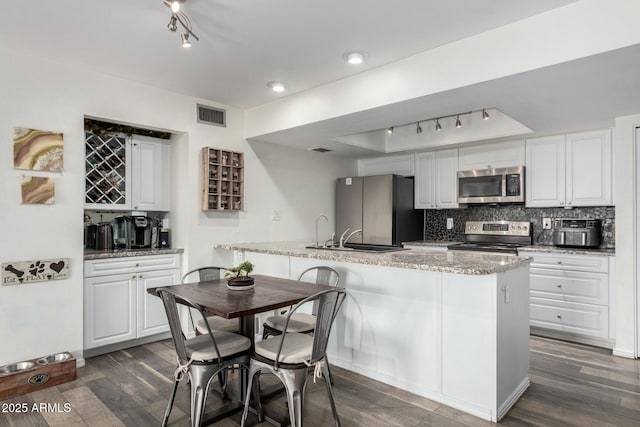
{"points": [[436, 220], [39, 150], [37, 190]]}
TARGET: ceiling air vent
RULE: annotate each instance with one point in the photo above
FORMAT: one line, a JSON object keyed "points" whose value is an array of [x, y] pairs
{"points": [[212, 116], [321, 150]]}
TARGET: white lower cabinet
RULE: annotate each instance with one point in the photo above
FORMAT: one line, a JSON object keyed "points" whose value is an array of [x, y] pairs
{"points": [[570, 294], [117, 306]]}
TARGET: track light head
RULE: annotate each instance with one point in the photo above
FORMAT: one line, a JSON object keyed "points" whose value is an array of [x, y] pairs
{"points": [[175, 6], [390, 130], [458, 122], [185, 40], [418, 128], [172, 25], [485, 115], [438, 125]]}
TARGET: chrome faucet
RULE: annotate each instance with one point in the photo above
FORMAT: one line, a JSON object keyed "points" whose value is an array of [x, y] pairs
{"points": [[344, 240], [317, 242]]}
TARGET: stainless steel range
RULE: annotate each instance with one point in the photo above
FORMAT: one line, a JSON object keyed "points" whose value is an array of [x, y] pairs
{"points": [[495, 236]]}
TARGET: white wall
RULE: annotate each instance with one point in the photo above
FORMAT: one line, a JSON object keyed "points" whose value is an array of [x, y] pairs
{"points": [[625, 191], [43, 318]]}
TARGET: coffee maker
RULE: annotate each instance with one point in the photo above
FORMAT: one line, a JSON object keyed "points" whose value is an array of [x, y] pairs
{"points": [[132, 232]]}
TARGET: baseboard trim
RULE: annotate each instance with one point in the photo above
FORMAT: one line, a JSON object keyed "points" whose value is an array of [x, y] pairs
{"points": [[91, 352], [623, 353], [513, 398]]}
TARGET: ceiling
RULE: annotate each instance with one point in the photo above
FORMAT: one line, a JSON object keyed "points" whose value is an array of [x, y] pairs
{"points": [[246, 43]]}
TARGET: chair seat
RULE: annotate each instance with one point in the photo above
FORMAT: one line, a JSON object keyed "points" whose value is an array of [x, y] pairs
{"points": [[296, 348], [299, 322], [201, 347], [217, 323]]}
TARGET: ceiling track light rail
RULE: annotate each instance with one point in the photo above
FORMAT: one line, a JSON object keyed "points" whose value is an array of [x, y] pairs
{"points": [[178, 16], [458, 123]]}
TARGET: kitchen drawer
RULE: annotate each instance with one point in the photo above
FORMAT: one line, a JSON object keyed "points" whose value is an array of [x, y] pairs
{"points": [[576, 318], [594, 263], [574, 286], [107, 266]]}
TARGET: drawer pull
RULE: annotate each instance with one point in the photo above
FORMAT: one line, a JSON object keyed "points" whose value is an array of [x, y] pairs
{"points": [[559, 286], [137, 265], [559, 317], [133, 277], [559, 262]]}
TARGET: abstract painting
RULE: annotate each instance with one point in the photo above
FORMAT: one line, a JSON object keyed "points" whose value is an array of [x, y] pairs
{"points": [[37, 150], [38, 190], [22, 272]]}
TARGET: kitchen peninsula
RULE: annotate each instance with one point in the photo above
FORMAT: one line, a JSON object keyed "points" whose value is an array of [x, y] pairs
{"points": [[449, 326]]}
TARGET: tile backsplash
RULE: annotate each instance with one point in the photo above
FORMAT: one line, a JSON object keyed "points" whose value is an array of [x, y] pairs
{"points": [[435, 223]]}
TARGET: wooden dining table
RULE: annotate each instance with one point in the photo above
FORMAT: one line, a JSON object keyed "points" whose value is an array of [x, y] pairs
{"points": [[269, 293]]}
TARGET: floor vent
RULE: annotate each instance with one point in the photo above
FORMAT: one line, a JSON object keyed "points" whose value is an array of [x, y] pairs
{"points": [[212, 116], [321, 150]]}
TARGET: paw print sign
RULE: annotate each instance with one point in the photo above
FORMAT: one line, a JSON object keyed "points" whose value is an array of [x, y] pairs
{"points": [[23, 272]]}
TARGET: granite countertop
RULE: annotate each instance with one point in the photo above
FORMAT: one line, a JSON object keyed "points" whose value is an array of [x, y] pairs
{"points": [[458, 262], [118, 253], [568, 250]]}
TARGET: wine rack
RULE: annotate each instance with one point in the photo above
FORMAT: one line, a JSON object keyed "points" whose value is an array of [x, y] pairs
{"points": [[223, 180], [105, 169]]}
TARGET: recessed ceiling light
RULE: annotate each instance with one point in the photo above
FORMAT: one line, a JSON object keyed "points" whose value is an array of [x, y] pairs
{"points": [[354, 58], [276, 86]]}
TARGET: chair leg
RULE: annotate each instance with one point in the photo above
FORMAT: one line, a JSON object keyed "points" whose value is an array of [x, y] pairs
{"points": [[253, 388], [167, 412], [294, 383], [327, 375], [222, 377], [201, 377]]}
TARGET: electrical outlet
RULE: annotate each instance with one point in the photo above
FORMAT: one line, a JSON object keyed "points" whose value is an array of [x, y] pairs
{"points": [[546, 223], [449, 223], [276, 215]]}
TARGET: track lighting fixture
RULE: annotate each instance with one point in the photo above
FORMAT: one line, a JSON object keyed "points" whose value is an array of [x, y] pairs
{"points": [[178, 16], [458, 123]]}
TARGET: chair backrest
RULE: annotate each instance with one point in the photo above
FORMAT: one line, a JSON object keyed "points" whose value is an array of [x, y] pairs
{"points": [[202, 274], [171, 300], [329, 303], [324, 275]]}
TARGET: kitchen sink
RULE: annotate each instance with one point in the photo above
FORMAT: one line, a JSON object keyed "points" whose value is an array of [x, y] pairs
{"points": [[355, 247]]}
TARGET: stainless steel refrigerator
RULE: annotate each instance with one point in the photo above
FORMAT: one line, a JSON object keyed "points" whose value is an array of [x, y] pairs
{"points": [[382, 206]]}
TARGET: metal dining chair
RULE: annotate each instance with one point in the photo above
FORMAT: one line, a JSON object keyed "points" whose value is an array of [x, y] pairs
{"points": [[202, 357], [216, 323], [290, 355], [301, 322]]}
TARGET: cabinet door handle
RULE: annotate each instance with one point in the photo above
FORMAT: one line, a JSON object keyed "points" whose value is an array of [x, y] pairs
{"points": [[559, 262], [140, 276], [137, 265], [569, 203], [133, 277], [559, 317], [559, 286]]}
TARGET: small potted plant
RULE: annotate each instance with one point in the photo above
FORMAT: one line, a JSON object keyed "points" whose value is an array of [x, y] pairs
{"points": [[239, 276]]}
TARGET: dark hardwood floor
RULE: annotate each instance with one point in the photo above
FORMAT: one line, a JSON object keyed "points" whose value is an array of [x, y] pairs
{"points": [[571, 385]]}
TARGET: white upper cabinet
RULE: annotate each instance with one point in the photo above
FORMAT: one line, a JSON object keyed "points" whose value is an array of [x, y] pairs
{"points": [[149, 174], [399, 165], [569, 170], [545, 171], [589, 169], [435, 179], [488, 156]]}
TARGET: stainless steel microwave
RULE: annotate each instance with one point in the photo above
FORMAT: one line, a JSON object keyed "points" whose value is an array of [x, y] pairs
{"points": [[500, 185]]}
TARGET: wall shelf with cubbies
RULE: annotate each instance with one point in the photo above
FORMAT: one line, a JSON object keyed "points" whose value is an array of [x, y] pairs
{"points": [[222, 180]]}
